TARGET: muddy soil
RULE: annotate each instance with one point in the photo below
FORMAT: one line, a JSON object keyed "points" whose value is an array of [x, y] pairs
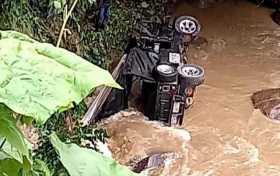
{"points": [[228, 135]]}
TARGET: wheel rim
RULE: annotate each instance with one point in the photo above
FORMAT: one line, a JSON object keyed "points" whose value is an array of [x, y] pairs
{"points": [[190, 71], [188, 26], [166, 69]]}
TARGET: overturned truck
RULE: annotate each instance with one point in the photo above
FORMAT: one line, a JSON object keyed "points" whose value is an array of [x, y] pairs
{"points": [[157, 60]]}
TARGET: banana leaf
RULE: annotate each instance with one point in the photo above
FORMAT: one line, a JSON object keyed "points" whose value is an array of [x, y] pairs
{"points": [[13, 142], [86, 162], [38, 79]]}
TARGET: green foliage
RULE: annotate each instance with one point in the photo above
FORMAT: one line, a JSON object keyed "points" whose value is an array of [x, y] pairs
{"points": [[10, 167], [14, 151], [40, 168], [23, 16], [42, 19], [48, 77], [51, 78], [85, 162], [100, 47], [58, 4], [9, 131], [77, 134]]}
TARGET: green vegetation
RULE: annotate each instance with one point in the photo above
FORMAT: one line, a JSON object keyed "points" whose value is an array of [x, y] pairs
{"points": [[50, 79], [42, 20], [86, 162]]}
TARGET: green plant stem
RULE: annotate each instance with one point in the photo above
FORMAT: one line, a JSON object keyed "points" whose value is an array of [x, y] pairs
{"points": [[64, 22]]}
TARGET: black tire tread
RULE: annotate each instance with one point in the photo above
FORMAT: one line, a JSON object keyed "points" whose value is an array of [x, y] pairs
{"points": [[195, 81], [177, 22]]}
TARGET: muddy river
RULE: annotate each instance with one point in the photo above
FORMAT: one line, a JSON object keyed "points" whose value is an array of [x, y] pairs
{"points": [[228, 136]]}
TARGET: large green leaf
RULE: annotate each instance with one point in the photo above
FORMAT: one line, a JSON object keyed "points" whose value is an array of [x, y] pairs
{"points": [[85, 162], [12, 164], [10, 151], [10, 132], [38, 79], [10, 167]]}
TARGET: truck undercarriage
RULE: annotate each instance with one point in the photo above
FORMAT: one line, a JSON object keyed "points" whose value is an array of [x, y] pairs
{"points": [[157, 59]]}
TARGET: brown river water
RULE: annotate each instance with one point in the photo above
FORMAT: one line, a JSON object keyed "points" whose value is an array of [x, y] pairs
{"points": [[228, 136]]}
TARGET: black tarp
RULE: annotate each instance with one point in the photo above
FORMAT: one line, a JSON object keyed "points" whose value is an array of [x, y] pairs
{"points": [[140, 63]]}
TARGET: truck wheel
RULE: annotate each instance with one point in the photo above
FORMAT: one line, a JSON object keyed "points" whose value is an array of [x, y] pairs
{"points": [[193, 74], [187, 25], [165, 73]]}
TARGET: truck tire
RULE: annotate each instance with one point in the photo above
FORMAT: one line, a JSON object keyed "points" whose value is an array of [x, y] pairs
{"points": [[187, 25], [165, 73], [192, 74]]}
